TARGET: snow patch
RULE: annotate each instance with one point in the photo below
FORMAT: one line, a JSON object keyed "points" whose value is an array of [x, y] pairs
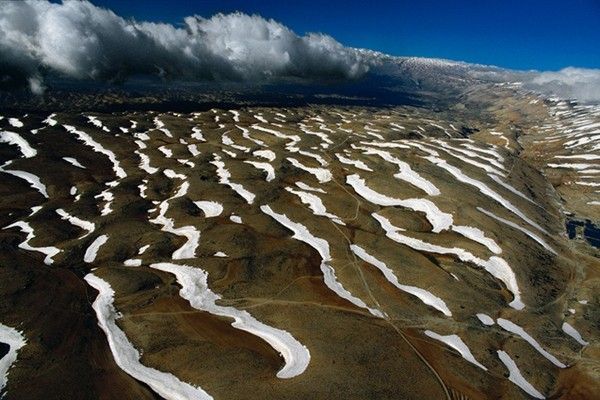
{"points": [[571, 331], [425, 296], [495, 266], [49, 251], [92, 250], [517, 330], [15, 340], [18, 140], [224, 176], [322, 246], [83, 224], [516, 377], [455, 342], [127, 356], [194, 288], [73, 162]]}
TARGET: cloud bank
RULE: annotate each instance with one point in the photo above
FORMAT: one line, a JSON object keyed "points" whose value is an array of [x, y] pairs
{"points": [[78, 40], [572, 83]]}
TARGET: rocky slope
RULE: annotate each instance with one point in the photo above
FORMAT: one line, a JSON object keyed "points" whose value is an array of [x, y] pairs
{"points": [[329, 251]]}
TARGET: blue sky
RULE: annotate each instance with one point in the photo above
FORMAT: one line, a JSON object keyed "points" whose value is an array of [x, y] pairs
{"points": [[543, 35]]}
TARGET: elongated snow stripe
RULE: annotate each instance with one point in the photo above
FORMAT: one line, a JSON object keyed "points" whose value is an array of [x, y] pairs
{"points": [[571, 331], [511, 188], [320, 160], [15, 340], [406, 172], [224, 176], [268, 154], [322, 175], [145, 163], [483, 188], [425, 296], [229, 153], [490, 151], [50, 120], [268, 168], [516, 377], [309, 188], [485, 319], [439, 220], [92, 250], [83, 224], [467, 160], [227, 141], [15, 122], [293, 139], [477, 235], [385, 145], [33, 180], [315, 204], [89, 141], [517, 330], [236, 115], [324, 127], [209, 208], [161, 127], [126, 355], [371, 132], [576, 166], [356, 163], [471, 154], [260, 118], [532, 235], [581, 156], [169, 173], [323, 136], [495, 266], [583, 183], [246, 135], [18, 140], [455, 342], [322, 246], [194, 288], [74, 162], [49, 251], [188, 250]]}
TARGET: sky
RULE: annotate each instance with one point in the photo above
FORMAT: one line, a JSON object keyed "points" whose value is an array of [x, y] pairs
{"points": [[542, 35]]}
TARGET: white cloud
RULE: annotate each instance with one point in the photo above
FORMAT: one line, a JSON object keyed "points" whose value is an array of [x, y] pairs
{"points": [[79, 40], [573, 83]]}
